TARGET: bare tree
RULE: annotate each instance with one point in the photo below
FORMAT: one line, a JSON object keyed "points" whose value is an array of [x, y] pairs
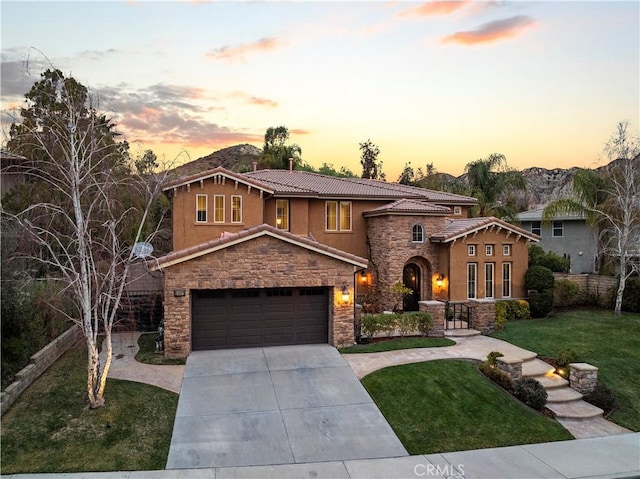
{"points": [[610, 200], [620, 213], [90, 209]]}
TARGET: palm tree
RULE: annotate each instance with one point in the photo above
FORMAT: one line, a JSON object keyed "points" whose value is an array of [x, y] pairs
{"points": [[490, 186], [276, 153]]}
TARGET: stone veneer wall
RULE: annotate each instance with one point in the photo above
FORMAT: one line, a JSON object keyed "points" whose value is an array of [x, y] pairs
{"points": [[436, 310], [390, 247], [484, 314], [264, 262]]}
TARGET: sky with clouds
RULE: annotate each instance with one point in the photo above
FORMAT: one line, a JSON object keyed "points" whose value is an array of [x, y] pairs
{"points": [[442, 82]]}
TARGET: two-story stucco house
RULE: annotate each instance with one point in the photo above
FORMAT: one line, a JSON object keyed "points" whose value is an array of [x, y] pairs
{"points": [[275, 257], [567, 235]]}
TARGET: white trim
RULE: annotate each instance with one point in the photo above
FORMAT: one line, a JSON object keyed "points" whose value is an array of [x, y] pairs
{"points": [[524, 233], [206, 209], [215, 208], [350, 203], [239, 178], [326, 215], [421, 240], [239, 209], [493, 281], [475, 280]]}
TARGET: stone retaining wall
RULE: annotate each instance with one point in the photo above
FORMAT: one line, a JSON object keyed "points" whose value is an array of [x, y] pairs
{"points": [[38, 364]]}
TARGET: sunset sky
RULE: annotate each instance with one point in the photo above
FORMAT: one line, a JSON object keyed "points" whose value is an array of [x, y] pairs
{"points": [[544, 83]]}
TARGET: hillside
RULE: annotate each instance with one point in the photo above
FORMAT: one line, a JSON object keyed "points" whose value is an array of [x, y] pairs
{"points": [[543, 185]]}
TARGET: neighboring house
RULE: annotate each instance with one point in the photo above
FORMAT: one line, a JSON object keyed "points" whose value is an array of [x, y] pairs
{"points": [[9, 175], [280, 257], [568, 235]]}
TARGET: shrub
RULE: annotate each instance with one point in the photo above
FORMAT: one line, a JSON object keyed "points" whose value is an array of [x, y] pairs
{"points": [[631, 298], [492, 356], [540, 303], [517, 310], [373, 324], [496, 376], [530, 392], [556, 263], [604, 398], [538, 278], [565, 292], [501, 314], [417, 321], [566, 357]]}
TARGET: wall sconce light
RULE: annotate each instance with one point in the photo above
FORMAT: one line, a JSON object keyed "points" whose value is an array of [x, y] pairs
{"points": [[345, 294], [440, 280], [363, 277]]}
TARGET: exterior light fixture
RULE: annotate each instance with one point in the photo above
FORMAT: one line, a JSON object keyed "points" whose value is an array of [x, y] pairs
{"points": [[440, 280], [363, 277], [345, 294]]}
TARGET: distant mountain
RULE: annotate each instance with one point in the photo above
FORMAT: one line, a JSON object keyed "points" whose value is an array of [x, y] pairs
{"points": [[543, 185], [237, 158]]}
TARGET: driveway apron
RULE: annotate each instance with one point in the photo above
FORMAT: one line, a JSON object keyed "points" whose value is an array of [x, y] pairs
{"points": [[276, 405]]}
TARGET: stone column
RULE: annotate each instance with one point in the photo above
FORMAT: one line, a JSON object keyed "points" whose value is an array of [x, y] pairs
{"points": [[583, 377], [484, 315], [436, 310], [511, 367]]}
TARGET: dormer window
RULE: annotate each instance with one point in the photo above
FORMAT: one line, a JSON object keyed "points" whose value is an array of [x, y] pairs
{"points": [[417, 234], [457, 210]]}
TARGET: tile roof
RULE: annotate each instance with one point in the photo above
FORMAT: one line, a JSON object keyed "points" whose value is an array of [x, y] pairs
{"points": [[405, 206], [230, 239], [304, 183], [455, 229], [218, 172]]}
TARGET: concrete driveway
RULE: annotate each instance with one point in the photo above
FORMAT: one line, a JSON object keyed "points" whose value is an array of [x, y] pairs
{"points": [[277, 405]]}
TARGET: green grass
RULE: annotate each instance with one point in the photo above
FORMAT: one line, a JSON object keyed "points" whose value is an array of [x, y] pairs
{"points": [[447, 405], [395, 344], [148, 355], [610, 343], [51, 429]]}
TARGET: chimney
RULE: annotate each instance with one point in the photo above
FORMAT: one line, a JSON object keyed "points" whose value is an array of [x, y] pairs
{"points": [[290, 164], [255, 166]]}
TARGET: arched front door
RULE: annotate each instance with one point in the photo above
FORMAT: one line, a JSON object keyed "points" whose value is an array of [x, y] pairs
{"points": [[411, 279]]}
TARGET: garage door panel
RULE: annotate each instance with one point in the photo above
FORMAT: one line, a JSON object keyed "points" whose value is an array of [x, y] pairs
{"points": [[253, 318]]}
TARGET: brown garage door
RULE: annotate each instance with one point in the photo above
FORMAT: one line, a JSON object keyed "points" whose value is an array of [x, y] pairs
{"points": [[244, 318]]}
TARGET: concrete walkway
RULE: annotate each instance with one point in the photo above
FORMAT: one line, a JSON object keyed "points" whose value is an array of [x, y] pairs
{"points": [[124, 365], [596, 458]]}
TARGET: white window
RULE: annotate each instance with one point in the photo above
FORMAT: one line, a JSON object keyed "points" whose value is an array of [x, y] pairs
{"points": [[472, 280], [417, 234], [331, 216], [506, 280], [488, 280], [536, 227], [457, 210], [236, 209], [201, 208], [471, 250], [282, 215], [345, 216], [506, 250], [558, 229], [218, 209], [489, 250], [337, 216]]}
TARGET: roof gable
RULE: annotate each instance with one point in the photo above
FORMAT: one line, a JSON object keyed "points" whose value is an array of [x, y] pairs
{"points": [[219, 175], [408, 207], [456, 229], [231, 239]]}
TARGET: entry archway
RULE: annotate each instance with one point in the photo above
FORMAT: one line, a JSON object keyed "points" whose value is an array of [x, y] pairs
{"points": [[411, 277]]}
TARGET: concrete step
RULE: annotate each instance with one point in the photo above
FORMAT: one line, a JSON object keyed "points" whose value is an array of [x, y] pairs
{"points": [[461, 333], [550, 381], [574, 410], [536, 367], [562, 395]]}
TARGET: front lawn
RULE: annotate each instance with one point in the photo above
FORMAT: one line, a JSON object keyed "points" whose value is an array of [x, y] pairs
{"points": [[608, 342], [400, 343], [51, 429], [448, 405]]}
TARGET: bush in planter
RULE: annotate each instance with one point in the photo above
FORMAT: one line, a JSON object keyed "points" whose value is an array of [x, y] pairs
{"points": [[604, 398], [496, 376], [566, 357], [530, 392], [416, 321], [540, 303]]}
